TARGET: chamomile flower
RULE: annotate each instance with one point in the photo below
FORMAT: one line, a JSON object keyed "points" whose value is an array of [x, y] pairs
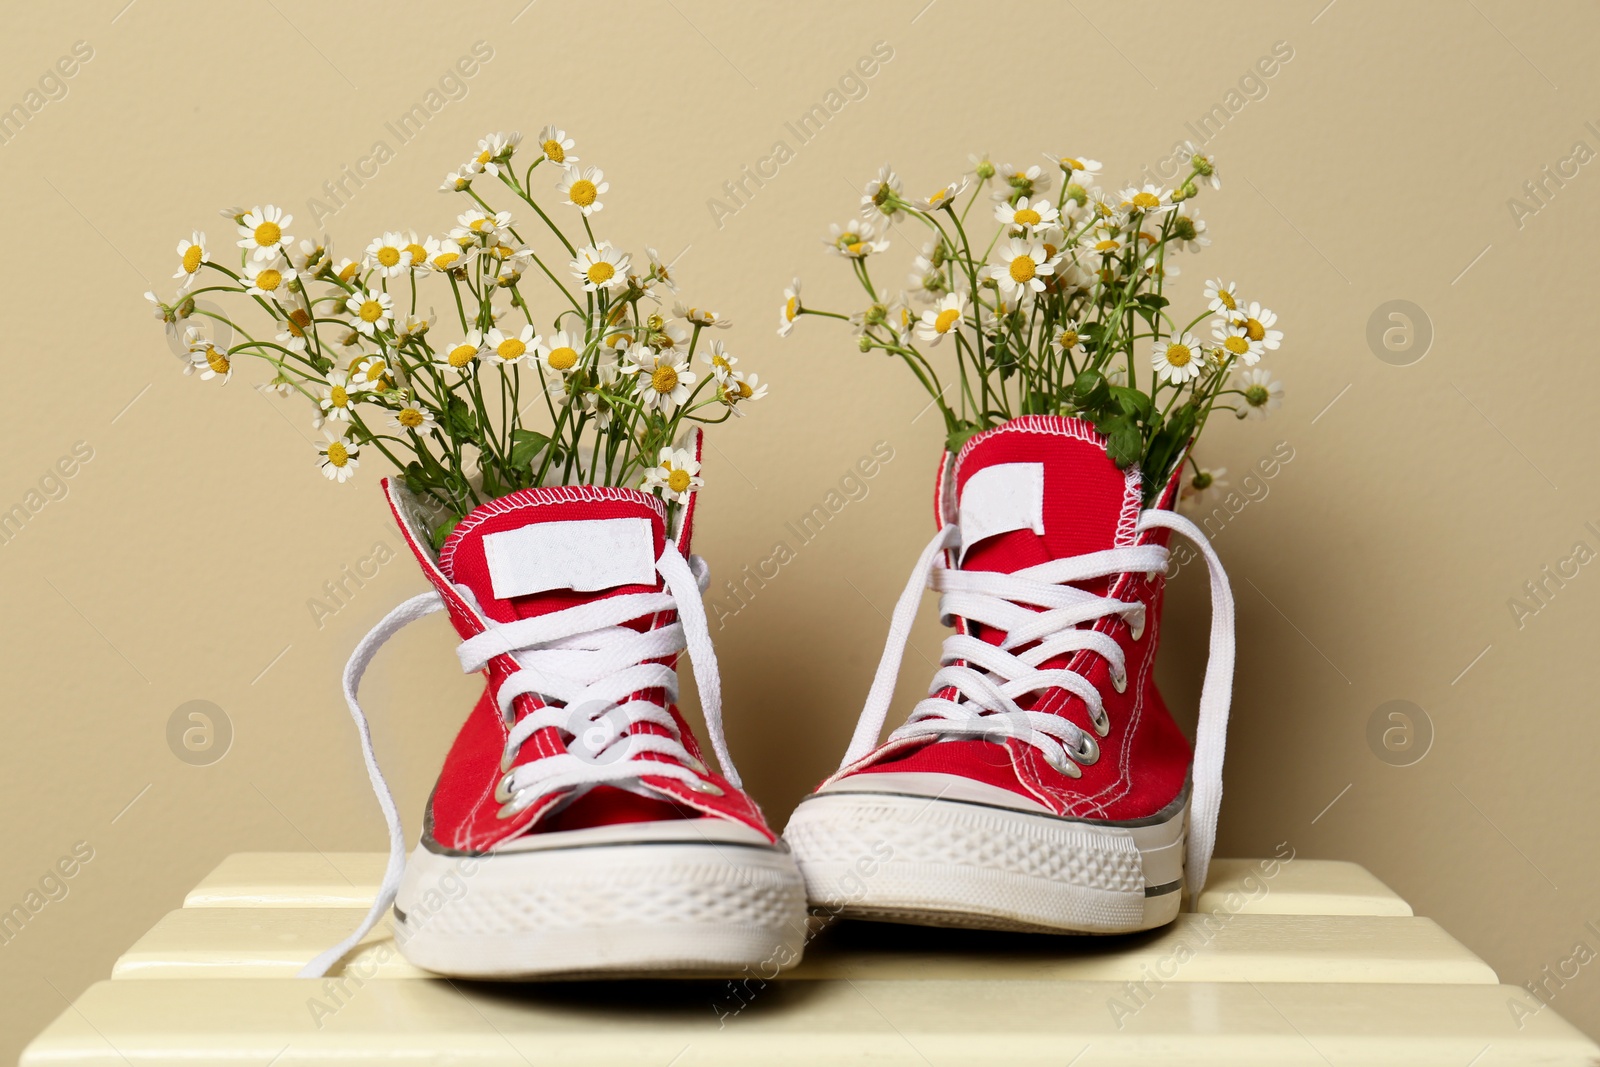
{"points": [[371, 311], [443, 257], [661, 334], [939, 322], [721, 364], [790, 311], [1079, 169], [267, 279], [388, 255], [373, 374], [660, 271], [1207, 167], [338, 398], [1023, 267], [1263, 394], [1234, 340], [600, 268], [663, 378], [292, 339], [1015, 182], [462, 356], [413, 416], [191, 257], [556, 145], [1223, 298], [855, 239], [1188, 232], [675, 477], [1198, 490], [983, 167], [944, 197], [1257, 323], [704, 317], [583, 188], [339, 457], [927, 277], [882, 195], [1100, 248], [457, 181], [739, 389], [208, 359], [474, 224], [346, 270], [263, 231], [493, 152], [1067, 339], [1026, 215], [1177, 359], [311, 257], [508, 349], [1146, 199], [561, 353]]}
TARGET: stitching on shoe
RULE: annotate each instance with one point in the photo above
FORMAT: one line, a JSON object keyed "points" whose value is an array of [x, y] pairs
{"points": [[544, 497]]}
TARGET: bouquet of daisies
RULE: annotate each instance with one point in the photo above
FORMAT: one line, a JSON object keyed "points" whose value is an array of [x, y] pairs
{"points": [[554, 363], [1063, 311]]}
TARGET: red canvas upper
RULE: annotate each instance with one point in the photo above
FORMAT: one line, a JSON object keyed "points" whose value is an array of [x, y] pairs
{"points": [[463, 812], [1088, 505]]}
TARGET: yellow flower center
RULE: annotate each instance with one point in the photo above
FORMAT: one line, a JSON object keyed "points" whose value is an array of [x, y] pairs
{"points": [[562, 358], [460, 356], [337, 453], [217, 360], [1108, 245], [299, 319], [479, 225], [339, 397], [1068, 338], [1022, 269], [388, 256], [849, 240], [1254, 330], [375, 370], [1227, 300], [511, 348], [664, 380], [1145, 201], [720, 363], [744, 390], [1050, 250], [678, 480], [192, 258], [348, 272], [938, 198], [484, 156], [268, 234], [1178, 354], [582, 192], [791, 308], [857, 248], [600, 273], [444, 259], [268, 280], [947, 318], [1071, 164], [371, 311], [419, 254], [1236, 345], [1026, 217], [554, 152], [410, 418]]}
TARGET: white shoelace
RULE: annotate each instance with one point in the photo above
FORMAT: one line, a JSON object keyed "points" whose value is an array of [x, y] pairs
{"points": [[989, 679], [585, 659]]}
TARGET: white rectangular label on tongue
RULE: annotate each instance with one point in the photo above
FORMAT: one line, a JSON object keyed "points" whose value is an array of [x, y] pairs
{"points": [[999, 499], [583, 555]]}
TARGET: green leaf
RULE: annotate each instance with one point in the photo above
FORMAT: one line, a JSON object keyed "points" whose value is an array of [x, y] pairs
{"points": [[1124, 444], [525, 446], [442, 531], [958, 437], [460, 419], [1133, 401]]}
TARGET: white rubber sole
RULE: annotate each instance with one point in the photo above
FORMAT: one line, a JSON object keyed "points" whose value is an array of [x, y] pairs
{"points": [[641, 900], [933, 861]]}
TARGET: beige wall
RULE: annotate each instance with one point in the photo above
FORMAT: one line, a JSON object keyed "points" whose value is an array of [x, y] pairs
{"points": [[1378, 566]]}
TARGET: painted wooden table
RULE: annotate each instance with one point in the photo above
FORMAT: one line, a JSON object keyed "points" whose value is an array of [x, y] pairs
{"points": [[1283, 962]]}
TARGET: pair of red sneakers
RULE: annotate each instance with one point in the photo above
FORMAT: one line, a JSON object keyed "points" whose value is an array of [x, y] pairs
{"points": [[576, 829]]}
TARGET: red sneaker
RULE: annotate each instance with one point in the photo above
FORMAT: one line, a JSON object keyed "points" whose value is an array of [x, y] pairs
{"points": [[1042, 785], [575, 829]]}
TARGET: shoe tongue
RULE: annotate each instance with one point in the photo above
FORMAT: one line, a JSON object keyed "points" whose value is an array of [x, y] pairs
{"points": [[541, 550], [1039, 488]]}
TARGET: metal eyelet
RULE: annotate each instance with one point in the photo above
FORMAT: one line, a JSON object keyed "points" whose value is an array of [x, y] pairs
{"points": [[1100, 721], [1064, 766], [1088, 751], [502, 790], [1137, 625], [700, 785], [1119, 682]]}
